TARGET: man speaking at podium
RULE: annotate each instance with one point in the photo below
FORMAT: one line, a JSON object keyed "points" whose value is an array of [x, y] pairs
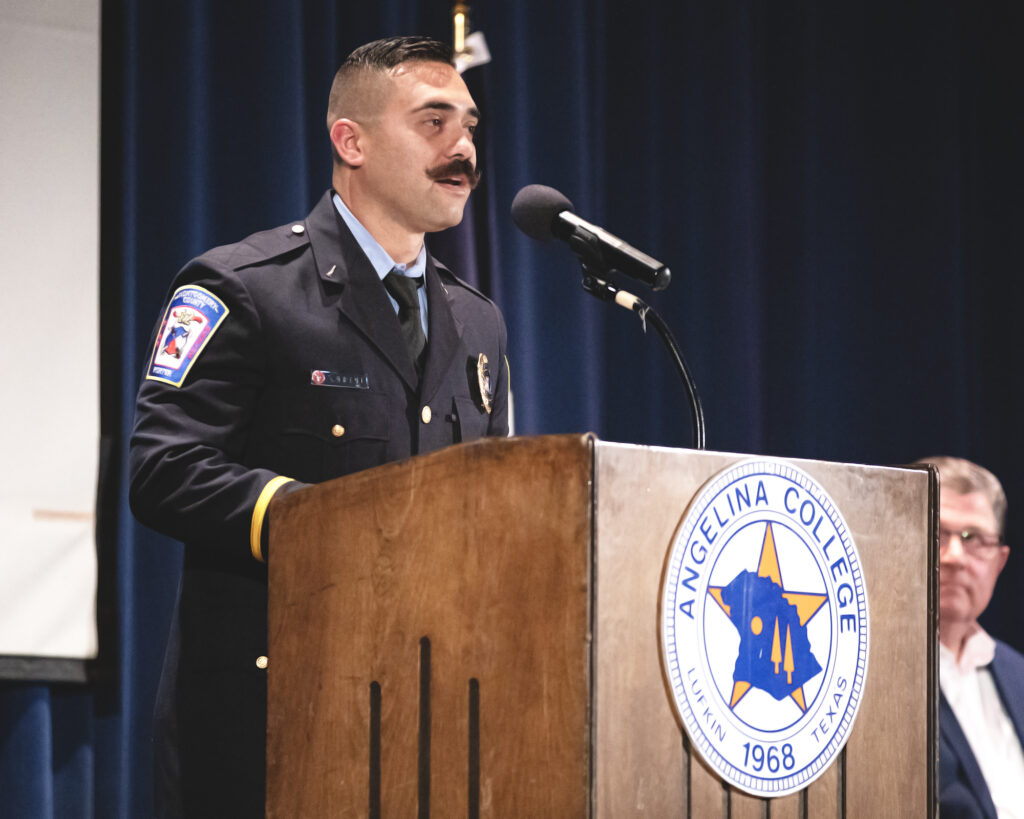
{"points": [[981, 711], [297, 355]]}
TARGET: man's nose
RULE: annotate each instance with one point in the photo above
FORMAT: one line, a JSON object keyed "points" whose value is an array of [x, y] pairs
{"points": [[953, 548], [463, 147]]}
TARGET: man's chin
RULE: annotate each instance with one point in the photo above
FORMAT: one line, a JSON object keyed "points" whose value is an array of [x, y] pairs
{"points": [[443, 221], [956, 609]]}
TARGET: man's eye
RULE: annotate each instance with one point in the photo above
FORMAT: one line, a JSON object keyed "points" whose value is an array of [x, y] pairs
{"points": [[967, 537]]}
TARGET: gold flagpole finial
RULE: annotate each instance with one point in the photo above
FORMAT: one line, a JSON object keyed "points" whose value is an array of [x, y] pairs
{"points": [[460, 23]]}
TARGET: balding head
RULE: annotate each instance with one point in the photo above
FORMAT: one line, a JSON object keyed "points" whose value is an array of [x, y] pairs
{"points": [[360, 86]]}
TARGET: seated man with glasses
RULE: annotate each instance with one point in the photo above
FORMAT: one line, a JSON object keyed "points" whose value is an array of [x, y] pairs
{"points": [[981, 710]]}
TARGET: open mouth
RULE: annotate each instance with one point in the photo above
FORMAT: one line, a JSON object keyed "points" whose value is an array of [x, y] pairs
{"points": [[453, 182]]}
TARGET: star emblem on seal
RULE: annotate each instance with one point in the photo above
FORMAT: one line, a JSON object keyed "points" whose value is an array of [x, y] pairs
{"points": [[775, 653]]}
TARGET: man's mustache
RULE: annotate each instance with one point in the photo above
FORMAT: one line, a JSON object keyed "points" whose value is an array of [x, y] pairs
{"points": [[457, 167]]}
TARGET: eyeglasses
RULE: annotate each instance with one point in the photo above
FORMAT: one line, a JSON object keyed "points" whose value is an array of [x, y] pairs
{"points": [[977, 544]]}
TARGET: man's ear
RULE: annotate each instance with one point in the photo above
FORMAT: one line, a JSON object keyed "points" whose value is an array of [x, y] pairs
{"points": [[1004, 555], [346, 137]]}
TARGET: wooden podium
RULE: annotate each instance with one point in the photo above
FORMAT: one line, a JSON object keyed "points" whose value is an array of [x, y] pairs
{"points": [[475, 633]]}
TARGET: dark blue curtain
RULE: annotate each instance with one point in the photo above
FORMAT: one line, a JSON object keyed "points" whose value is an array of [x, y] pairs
{"points": [[835, 186]]}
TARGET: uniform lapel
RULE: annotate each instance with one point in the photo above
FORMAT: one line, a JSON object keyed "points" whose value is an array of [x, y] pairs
{"points": [[444, 338], [363, 300]]}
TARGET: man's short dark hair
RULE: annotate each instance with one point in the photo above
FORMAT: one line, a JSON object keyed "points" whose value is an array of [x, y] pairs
{"points": [[387, 53], [381, 56]]}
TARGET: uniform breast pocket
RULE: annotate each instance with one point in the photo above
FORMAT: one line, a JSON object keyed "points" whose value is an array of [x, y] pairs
{"points": [[471, 421], [332, 432]]}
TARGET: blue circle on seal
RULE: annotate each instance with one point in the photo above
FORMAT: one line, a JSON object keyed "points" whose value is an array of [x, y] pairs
{"points": [[765, 628]]}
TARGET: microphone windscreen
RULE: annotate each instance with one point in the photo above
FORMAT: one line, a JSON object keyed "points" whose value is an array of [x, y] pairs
{"points": [[535, 208]]}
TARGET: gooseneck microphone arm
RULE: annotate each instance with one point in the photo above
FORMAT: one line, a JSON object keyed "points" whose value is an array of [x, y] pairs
{"points": [[600, 289]]}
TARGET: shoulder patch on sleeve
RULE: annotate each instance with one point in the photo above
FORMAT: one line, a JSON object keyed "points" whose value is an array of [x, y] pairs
{"points": [[193, 316]]}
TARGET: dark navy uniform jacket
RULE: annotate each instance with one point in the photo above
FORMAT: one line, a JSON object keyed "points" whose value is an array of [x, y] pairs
{"points": [[963, 792], [306, 377]]}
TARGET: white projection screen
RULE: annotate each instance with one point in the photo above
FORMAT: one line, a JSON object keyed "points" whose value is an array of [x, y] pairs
{"points": [[49, 355]]}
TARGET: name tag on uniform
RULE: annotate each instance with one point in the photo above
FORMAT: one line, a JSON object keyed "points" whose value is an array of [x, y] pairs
{"points": [[348, 381]]}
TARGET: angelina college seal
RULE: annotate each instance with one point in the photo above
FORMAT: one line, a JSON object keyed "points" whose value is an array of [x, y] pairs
{"points": [[764, 625]]}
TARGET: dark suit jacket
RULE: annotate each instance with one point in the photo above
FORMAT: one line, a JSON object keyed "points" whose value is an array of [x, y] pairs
{"points": [[302, 299], [962, 788]]}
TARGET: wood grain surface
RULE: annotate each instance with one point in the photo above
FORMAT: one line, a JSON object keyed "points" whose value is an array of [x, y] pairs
{"points": [[533, 568], [483, 549]]}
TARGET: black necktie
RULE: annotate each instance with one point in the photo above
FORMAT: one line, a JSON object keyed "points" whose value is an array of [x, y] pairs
{"points": [[404, 290]]}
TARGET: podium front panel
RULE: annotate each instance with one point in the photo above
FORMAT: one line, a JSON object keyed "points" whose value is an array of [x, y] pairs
{"points": [[429, 637], [643, 762]]}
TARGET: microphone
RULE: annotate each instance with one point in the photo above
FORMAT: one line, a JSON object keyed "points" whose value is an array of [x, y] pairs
{"points": [[543, 213]]}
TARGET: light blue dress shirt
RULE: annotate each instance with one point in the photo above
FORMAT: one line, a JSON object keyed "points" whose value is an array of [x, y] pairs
{"points": [[380, 260]]}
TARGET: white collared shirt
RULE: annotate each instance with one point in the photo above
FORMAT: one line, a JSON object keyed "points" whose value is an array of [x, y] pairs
{"points": [[971, 692], [380, 260]]}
